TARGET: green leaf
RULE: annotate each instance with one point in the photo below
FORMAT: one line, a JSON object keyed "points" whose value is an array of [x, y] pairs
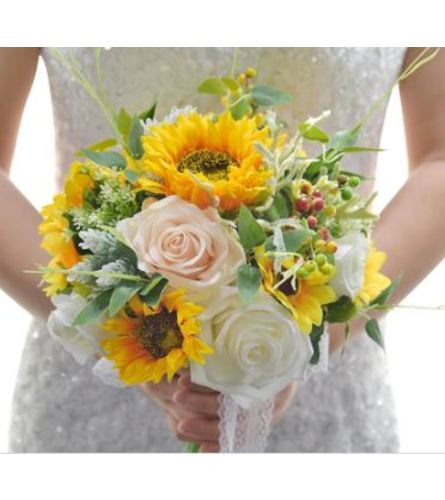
{"points": [[313, 133], [294, 238], [124, 123], [153, 296], [99, 146], [107, 159], [387, 292], [213, 85], [249, 281], [343, 139], [280, 208], [315, 336], [373, 330], [149, 113], [231, 83], [131, 175], [241, 108], [121, 295], [251, 234], [268, 96], [155, 279], [341, 311], [134, 138], [94, 309]]}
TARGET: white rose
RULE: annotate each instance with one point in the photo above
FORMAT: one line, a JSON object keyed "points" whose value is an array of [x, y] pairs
{"points": [[189, 246], [350, 261], [82, 342], [258, 348]]}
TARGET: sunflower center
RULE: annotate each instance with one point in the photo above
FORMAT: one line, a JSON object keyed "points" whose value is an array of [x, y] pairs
{"points": [[213, 164], [160, 333]]}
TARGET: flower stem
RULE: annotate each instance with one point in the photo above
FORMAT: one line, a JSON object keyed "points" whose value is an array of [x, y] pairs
{"points": [[192, 447]]}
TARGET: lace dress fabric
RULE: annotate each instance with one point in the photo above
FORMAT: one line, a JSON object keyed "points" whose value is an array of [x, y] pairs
{"points": [[60, 406]]}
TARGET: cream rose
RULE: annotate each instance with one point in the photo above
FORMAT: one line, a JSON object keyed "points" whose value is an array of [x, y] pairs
{"points": [[82, 342], [187, 245], [350, 261], [258, 348]]}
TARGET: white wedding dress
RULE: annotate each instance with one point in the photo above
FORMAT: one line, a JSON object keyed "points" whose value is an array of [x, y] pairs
{"points": [[60, 406]]}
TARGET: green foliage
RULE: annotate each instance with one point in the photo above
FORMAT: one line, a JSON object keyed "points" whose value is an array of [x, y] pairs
{"points": [[109, 159], [151, 295], [149, 114], [99, 146], [315, 337], [313, 133], [373, 330], [121, 295], [124, 123], [281, 208], [343, 139], [341, 311], [134, 138], [293, 239], [251, 234], [249, 281], [213, 85], [230, 83], [94, 309], [385, 295], [240, 107], [265, 95]]}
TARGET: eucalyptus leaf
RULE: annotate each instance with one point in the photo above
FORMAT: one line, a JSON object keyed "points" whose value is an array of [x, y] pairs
{"points": [[241, 108], [341, 311], [373, 330], [213, 85], [134, 138], [269, 96], [124, 123], [249, 281], [121, 295], [107, 158], [94, 309], [153, 296], [131, 175], [251, 234]]}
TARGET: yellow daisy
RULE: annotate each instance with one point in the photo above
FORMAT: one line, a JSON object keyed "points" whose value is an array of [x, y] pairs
{"points": [[374, 282], [305, 303], [151, 342], [197, 158]]}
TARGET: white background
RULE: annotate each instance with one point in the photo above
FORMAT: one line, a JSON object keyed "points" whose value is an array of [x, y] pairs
{"points": [[415, 339]]}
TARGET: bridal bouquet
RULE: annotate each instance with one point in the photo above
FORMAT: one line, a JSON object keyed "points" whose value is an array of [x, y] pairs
{"points": [[212, 241]]}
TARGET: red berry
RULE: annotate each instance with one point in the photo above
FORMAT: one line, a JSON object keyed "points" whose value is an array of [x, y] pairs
{"points": [[324, 234], [303, 205], [318, 204], [317, 194], [312, 221]]}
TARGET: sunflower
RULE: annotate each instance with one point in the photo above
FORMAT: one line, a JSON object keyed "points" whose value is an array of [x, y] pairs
{"points": [[150, 342], [374, 282], [197, 159], [305, 303]]}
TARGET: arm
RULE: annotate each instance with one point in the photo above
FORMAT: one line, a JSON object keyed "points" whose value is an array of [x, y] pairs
{"points": [[409, 226], [20, 242]]}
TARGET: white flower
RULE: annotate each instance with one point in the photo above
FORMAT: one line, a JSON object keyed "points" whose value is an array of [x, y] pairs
{"points": [[81, 342], [170, 118], [350, 261], [258, 348], [189, 246]]}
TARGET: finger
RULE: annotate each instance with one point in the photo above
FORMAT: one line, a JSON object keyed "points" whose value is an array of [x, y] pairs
{"points": [[204, 403], [209, 448], [200, 429], [163, 390], [185, 381], [177, 411]]}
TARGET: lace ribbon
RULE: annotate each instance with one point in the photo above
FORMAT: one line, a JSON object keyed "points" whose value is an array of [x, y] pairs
{"points": [[246, 430]]}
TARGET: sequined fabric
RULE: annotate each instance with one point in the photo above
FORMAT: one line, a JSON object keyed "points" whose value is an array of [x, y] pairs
{"points": [[60, 406]]}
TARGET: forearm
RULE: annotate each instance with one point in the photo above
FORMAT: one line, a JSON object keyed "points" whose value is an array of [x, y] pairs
{"points": [[20, 250], [409, 231]]}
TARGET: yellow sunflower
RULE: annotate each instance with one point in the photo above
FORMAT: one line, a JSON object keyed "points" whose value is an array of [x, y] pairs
{"points": [[197, 158], [305, 303], [374, 282], [151, 342]]}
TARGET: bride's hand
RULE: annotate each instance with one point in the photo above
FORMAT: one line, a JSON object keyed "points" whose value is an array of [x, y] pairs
{"points": [[191, 410]]}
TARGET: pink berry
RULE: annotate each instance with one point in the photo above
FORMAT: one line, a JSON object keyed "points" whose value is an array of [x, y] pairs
{"points": [[312, 221], [303, 205], [318, 204], [324, 234], [317, 194]]}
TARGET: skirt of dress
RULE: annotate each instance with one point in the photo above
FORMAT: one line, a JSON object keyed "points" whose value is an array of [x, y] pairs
{"points": [[60, 406]]}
